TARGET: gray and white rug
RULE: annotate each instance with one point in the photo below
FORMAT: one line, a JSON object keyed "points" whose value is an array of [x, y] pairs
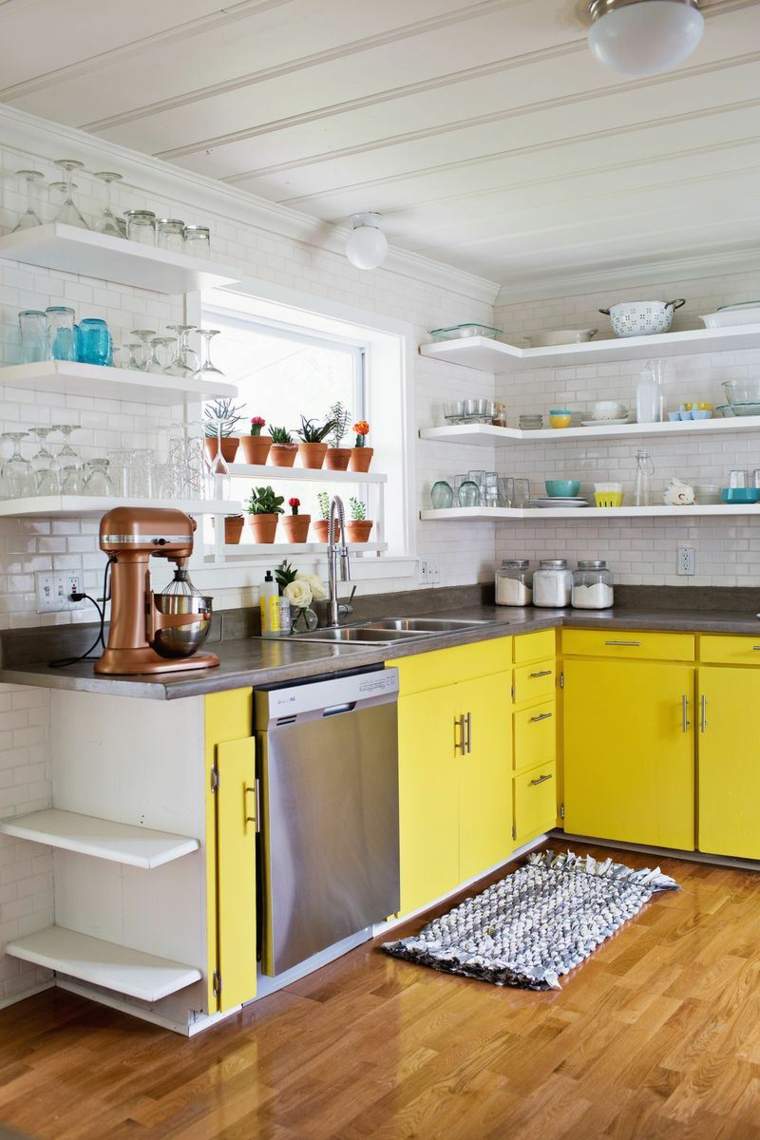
{"points": [[536, 924]]}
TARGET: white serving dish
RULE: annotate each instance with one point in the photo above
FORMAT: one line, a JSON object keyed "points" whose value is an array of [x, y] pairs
{"points": [[560, 336], [733, 315]]}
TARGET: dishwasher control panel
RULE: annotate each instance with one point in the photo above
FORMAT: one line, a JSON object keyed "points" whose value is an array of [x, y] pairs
{"points": [[325, 693]]}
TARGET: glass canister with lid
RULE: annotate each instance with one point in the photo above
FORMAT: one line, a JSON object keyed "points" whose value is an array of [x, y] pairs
{"points": [[592, 586], [552, 583], [514, 583]]}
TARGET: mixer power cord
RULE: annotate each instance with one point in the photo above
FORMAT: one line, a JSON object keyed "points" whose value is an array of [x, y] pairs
{"points": [[62, 662]]}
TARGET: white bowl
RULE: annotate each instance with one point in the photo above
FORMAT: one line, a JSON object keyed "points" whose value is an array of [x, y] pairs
{"points": [[728, 318], [608, 410], [642, 318], [560, 336]]}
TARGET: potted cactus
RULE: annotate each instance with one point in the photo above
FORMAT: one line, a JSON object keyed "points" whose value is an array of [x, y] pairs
{"points": [[283, 451], [295, 525], [255, 446], [321, 525], [361, 455], [312, 448], [264, 508], [358, 526], [220, 417], [337, 457]]}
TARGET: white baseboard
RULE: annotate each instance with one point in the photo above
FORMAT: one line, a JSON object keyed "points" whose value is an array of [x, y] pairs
{"points": [[660, 852]]}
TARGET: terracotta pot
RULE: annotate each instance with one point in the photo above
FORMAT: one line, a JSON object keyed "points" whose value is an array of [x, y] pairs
{"points": [[255, 448], [263, 527], [229, 447], [337, 458], [283, 454], [361, 457], [233, 528], [312, 454], [357, 530], [296, 527], [320, 529]]}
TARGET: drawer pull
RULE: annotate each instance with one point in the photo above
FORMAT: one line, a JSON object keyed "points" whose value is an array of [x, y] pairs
{"points": [[539, 780], [541, 673], [685, 722], [756, 648], [541, 716], [703, 713], [629, 644]]}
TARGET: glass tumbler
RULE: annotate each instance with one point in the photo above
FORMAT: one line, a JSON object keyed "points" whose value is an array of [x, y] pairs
{"points": [[198, 241], [32, 325], [441, 495], [96, 480], [171, 234], [141, 226], [61, 333], [94, 342], [469, 494]]}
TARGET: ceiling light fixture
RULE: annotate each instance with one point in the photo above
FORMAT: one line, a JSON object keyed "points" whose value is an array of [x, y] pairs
{"points": [[367, 245], [644, 37]]}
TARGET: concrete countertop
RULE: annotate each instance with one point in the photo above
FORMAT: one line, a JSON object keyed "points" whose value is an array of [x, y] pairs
{"points": [[257, 661]]}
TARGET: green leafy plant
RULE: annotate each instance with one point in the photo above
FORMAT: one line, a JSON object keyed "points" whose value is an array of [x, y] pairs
{"points": [[339, 415], [280, 435], [323, 499], [223, 411], [264, 501], [358, 509], [284, 574], [313, 432]]}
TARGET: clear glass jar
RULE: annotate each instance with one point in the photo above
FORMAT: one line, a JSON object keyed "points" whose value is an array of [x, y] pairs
{"points": [[171, 234], [592, 586], [198, 241], [552, 583], [514, 583], [61, 333], [32, 325], [141, 226]]}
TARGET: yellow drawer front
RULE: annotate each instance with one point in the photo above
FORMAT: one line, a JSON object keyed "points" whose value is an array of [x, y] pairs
{"points": [[730, 650], [535, 682], [622, 643], [535, 736], [448, 666], [535, 802], [535, 646]]}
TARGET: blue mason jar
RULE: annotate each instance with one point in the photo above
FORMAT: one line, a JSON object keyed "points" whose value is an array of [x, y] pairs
{"points": [[93, 342]]}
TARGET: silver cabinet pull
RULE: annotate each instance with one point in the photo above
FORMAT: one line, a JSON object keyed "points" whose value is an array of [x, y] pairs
{"points": [[468, 725], [685, 722], [541, 673], [630, 644], [539, 780], [756, 648], [703, 713], [541, 716], [460, 744]]}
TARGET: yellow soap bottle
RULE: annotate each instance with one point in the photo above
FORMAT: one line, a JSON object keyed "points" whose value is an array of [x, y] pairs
{"points": [[269, 604]]}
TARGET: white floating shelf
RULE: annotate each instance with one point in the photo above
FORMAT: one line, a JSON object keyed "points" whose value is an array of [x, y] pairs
{"points": [[72, 379], [103, 963], [488, 435], [75, 250], [256, 550], [487, 355], [101, 838], [75, 506], [306, 474], [577, 514]]}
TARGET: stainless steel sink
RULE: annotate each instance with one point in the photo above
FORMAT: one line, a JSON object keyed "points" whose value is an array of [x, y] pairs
{"points": [[358, 635], [426, 625]]}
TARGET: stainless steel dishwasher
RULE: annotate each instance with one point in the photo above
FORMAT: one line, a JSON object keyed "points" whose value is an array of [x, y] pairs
{"points": [[327, 764]]}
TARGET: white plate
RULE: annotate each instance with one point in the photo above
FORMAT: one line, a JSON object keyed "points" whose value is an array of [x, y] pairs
{"points": [[606, 423], [561, 502]]}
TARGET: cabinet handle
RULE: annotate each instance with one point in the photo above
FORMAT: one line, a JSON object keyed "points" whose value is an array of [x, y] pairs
{"points": [[541, 716], [685, 722], [460, 745], [756, 648], [703, 712], [541, 673], [254, 791], [539, 780], [468, 727], [630, 644]]}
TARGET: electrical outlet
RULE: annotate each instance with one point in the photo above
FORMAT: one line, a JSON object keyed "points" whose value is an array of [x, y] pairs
{"points": [[687, 560], [433, 574], [54, 592], [422, 570]]}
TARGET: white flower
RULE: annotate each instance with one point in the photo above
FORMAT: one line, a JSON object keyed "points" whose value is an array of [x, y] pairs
{"points": [[298, 594], [317, 586]]}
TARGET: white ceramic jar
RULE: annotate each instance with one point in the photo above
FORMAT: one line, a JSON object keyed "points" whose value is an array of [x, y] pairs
{"points": [[552, 583]]}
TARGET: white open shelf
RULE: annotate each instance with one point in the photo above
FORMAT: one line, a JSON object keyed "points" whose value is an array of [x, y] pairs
{"points": [[75, 250], [73, 379], [103, 963], [256, 549], [75, 506], [577, 514], [488, 435], [101, 838], [306, 474], [487, 355]]}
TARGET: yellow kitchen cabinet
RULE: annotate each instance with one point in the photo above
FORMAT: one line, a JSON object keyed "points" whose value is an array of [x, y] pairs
{"points": [[535, 682], [485, 774], [535, 735], [535, 808], [629, 751], [729, 762]]}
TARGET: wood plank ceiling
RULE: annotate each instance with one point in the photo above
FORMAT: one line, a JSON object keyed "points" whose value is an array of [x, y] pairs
{"points": [[483, 130]]}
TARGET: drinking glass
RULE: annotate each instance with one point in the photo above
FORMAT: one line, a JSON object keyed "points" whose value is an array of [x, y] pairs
{"points": [[18, 476], [145, 336], [120, 470], [132, 355], [163, 353], [737, 478], [441, 495], [30, 216], [506, 486], [491, 490], [46, 481], [469, 494], [94, 342], [108, 222], [206, 368], [32, 325], [186, 362], [198, 241], [61, 333], [521, 493], [97, 481], [171, 234], [141, 474], [67, 462], [189, 472], [69, 212]]}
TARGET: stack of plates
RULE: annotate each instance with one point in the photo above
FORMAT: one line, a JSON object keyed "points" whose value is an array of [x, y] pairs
{"points": [[569, 501], [606, 423]]}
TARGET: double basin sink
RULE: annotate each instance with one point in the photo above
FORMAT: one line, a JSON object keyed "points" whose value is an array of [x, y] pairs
{"points": [[389, 630]]}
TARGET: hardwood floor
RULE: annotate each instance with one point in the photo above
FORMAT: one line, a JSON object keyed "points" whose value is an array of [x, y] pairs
{"points": [[656, 1036]]}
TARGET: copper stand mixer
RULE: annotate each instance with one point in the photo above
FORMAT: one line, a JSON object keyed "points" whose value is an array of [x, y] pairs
{"points": [[152, 633]]}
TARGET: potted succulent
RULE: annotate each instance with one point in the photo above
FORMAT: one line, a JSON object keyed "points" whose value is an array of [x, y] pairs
{"points": [[358, 526], [322, 524], [220, 418], [337, 457], [312, 448], [264, 507], [255, 447], [361, 455], [283, 451], [296, 526], [233, 528]]}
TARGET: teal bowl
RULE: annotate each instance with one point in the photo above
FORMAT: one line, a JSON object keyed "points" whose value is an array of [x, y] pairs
{"points": [[562, 488], [740, 495]]}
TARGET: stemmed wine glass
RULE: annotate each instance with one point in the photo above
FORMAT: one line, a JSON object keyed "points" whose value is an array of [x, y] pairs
{"points": [[206, 368], [17, 471], [69, 212], [30, 217], [186, 362], [162, 354], [142, 358], [67, 461], [108, 222], [45, 473]]}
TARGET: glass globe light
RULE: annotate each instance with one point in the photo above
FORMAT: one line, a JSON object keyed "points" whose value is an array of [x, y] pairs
{"points": [[644, 37], [367, 245]]}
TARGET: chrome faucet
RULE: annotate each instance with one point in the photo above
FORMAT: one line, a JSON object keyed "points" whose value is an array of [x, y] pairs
{"points": [[337, 549]]}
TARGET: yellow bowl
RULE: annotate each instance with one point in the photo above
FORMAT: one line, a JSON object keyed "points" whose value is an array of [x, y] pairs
{"points": [[608, 498], [560, 421]]}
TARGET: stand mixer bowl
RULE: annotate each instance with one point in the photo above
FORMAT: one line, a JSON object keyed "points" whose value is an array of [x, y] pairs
{"points": [[184, 640]]}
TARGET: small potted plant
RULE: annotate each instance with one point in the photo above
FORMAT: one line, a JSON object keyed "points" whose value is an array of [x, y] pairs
{"points": [[361, 455], [264, 507], [283, 451], [358, 526], [255, 447], [312, 448], [337, 457], [233, 528], [220, 418], [321, 525], [296, 526]]}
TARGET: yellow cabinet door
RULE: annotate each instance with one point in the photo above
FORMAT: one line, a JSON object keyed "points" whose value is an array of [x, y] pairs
{"points": [[729, 762], [629, 751], [535, 802], [428, 796], [485, 774]]}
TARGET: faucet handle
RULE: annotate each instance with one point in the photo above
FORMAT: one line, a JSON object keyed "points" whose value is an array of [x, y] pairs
{"points": [[345, 565]]}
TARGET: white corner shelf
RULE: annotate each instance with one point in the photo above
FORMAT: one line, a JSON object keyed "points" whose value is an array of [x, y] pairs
{"points": [[577, 514], [73, 379], [487, 355], [103, 963], [77, 506], [488, 435], [100, 838], [258, 549], [305, 474], [90, 254]]}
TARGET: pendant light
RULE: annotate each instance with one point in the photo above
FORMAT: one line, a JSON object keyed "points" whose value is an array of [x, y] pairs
{"points": [[367, 245], [644, 37]]}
